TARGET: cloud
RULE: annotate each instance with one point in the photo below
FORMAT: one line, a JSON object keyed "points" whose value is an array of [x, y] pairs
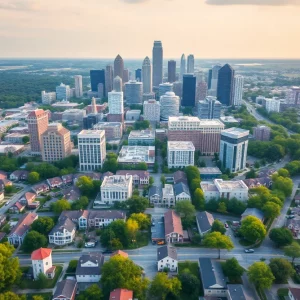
{"points": [[18, 5], [253, 2]]}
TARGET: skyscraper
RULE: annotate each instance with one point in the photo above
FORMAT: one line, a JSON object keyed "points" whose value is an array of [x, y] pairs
{"points": [[201, 90], [210, 108], [182, 67], [96, 77], [157, 58], [190, 64], [117, 84], [115, 103], [78, 86], [125, 75], [63, 92], [171, 71], [108, 79], [138, 74], [169, 106], [209, 78], [118, 66], [214, 80], [164, 88], [188, 90], [238, 90], [133, 92], [147, 76], [225, 85]]}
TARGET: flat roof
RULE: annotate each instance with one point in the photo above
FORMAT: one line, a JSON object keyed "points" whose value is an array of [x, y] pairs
{"points": [[142, 134], [90, 132], [230, 184], [235, 132], [137, 154], [210, 170], [116, 180], [181, 145]]}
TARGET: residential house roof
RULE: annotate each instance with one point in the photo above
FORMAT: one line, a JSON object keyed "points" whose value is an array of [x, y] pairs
{"points": [[65, 289], [204, 220], [139, 173], [94, 258], [121, 294], [155, 190], [92, 214], [24, 224], [62, 224], [179, 176], [19, 206], [40, 186], [166, 251], [106, 174], [3, 175], [120, 252], [30, 197], [2, 235], [67, 178], [55, 181], [19, 173], [41, 253], [253, 212], [172, 223], [181, 188], [256, 182], [71, 193], [296, 293], [266, 173], [236, 292]]}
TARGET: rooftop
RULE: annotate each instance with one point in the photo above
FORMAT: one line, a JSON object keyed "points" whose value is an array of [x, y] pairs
{"points": [[41, 254], [121, 294], [204, 220], [181, 145], [235, 132], [91, 132], [210, 170], [137, 154], [166, 251], [168, 190], [65, 288], [116, 181], [142, 134], [230, 184], [172, 223]]}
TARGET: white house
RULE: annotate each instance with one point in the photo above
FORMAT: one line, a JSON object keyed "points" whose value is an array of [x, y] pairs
{"points": [[42, 263], [89, 267], [167, 259], [168, 197], [182, 192]]}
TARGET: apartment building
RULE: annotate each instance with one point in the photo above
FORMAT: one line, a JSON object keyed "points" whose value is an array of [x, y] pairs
{"points": [[141, 137], [137, 154], [151, 110], [180, 154]]}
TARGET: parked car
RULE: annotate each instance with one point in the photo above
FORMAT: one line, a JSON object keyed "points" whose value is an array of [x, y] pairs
{"points": [[226, 225], [89, 245], [7, 203], [290, 217], [161, 243], [249, 250]]}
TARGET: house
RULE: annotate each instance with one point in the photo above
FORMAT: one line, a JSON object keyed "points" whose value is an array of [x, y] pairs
{"points": [[253, 212], [3, 175], [19, 175], [121, 294], [4, 182], [41, 188], [155, 195], [18, 233], [2, 235], [294, 226], [67, 179], [173, 227], [55, 182], [63, 233], [65, 290], [179, 176], [42, 263], [91, 175], [236, 292], [71, 193], [89, 267], [204, 222], [266, 173], [257, 182], [119, 252], [182, 192], [17, 208], [212, 278], [28, 198], [168, 197], [167, 259], [138, 177], [294, 294]]}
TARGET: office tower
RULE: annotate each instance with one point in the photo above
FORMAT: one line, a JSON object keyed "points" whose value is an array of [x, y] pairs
{"points": [[115, 103], [100, 90], [138, 74], [238, 90], [37, 124], [63, 92], [119, 67], [233, 149], [164, 88], [190, 64], [293, 96], [92, 149], [188, 90], [214, 80], [148, 96], [262, 133], [201, 90], [169, 105], [210, 108], [272, 104], [125, 75], [90, 120], [96, 77], [225, 85], [182, 67], [48, 98], [177, 88], [171, 71], [204, 134], [108, 79], [180, 154], [56, 143], [209, 79], [117, 84], [147, 76], [157, 58], [151, 110], [78, 86], [94, 106], [133, 92]]}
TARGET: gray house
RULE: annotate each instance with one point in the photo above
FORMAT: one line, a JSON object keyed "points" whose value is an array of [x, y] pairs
{"points": [[155, 195], [204, 221], [182, 192]]}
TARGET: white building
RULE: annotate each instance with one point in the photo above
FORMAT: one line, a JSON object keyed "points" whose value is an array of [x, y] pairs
{"points": [[92, 149], [147, 76], [48, 98], [137, 154], [293, 95], [168, 196], [272, 104], [170, 104], [133, 92], [151, 110], [115, 188], [225, 189], [180, 154], [42, 263], [233, 148], [182, 192], [78, 86], [167, 259], [73, 114], [190, 64], [115, 103], [63, 92], [238, 90]]}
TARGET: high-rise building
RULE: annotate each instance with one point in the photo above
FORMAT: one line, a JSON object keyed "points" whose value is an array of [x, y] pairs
{"points": [[94, 106], [148, 96], [125, 75], [119, 67], [188, 90], [92, 149], [201, 90], [78, 86], [151, 110], [55, 143], [63, 92], [48, 98], [171, 71], [157, 58], [164, 88], [182, 67], [238, 90], [90, 120], [177, 88], [214, 80], [210, 108], [272, 104], [133, 92], [147, 76], [262, 133], [100, 90], [225, 88], [169, 105], [138, 74], [180, 154], [293, 95], [37, 124], [96, 77], [117, 84], [108, 79], [233, 149], [209, 78], [190, 64], [115, 103]]}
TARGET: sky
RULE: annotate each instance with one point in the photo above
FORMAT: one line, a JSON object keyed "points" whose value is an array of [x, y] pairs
{"points": [[105, 28]]}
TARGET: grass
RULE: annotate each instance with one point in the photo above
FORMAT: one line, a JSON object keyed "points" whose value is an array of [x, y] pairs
{"points": [[281, 293], [142, 240], [46, 296]]}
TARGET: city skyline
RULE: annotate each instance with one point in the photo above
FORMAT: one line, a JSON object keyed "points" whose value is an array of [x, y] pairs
{"points": [[29, 29]]}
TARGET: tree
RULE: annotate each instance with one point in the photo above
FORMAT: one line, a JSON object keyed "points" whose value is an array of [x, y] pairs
{"points": [[132, 227], [252, 229], [81, 203], [218, 241], [43, 225], [85, 184], [151, 181], [292, 251], [281, 236], [137, 204], [142, 219], [189, 283], [232, 269], [283, 172], [271, 210], [42, 280], [37, 297], [72, 266], [123, 272], [34, 240], [25, 139], [11, 296], [251, 174], [162, 286], [218, 226], [186, 210], [198, 199], [195, 184], [9, 267], [33, 177], [283, 184], [222, 208], [282, 269], [163, 180], [8, 189], [60, 206], [93, 292], [261, 275]]}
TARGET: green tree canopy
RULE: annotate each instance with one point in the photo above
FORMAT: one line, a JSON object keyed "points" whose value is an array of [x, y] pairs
{"points": [[283, 184], [252, 229], [93, 292], [292, 251], [186, 210], [60, 205], [11, 296], [142, 219], [281, 269], [271, 210], [137, 204], [33, 177], [281, 236], [34, 240], [198, 199], [218, 226], [261, 275], [232, 269], [43, 225], [85, 184], [189, 283]]}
